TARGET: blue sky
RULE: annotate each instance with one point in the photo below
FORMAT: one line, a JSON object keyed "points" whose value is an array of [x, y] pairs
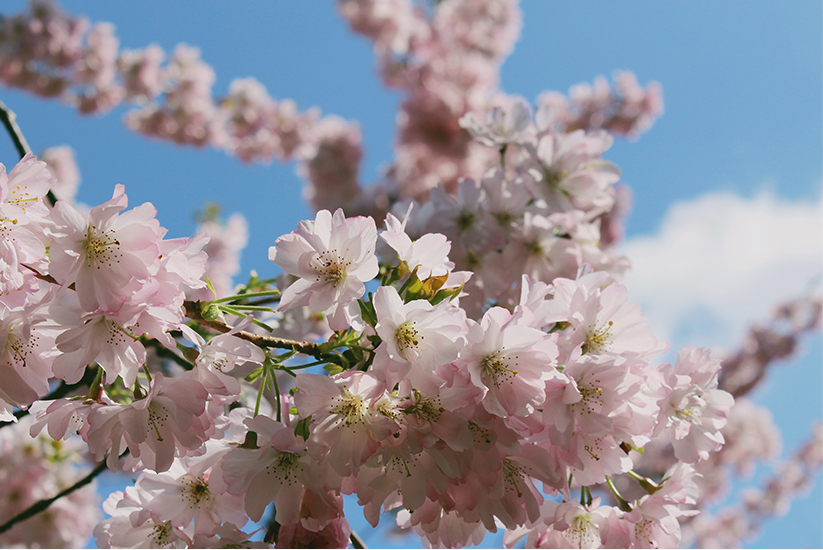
{"points": [[742, 88]]}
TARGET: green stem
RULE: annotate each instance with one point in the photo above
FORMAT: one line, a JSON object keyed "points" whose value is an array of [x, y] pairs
{"points": [[192, 312], [231, 310], [262, 387], [645, 483], [304, 366], [10, 122], [585, 496], [277, 394], [96, 387], [408, 282], [624, 505], [251, 308], [244, 296]]}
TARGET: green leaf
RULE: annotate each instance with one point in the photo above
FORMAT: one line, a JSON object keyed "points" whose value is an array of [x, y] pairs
{"points": [[302, 427], [333, 369]]}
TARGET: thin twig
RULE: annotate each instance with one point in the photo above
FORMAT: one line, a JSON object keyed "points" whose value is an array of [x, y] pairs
{"points": [[193, 312], [60, 391], [165, 353], [356, 541], [41, 505], [10, 122]]}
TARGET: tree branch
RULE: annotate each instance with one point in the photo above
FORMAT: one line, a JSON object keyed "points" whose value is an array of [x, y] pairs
{"points": [[60, 391], [193, 312], [41, 505], [10, 122], [356, 541]]}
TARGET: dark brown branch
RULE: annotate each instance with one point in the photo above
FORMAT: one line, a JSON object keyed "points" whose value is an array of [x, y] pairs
{"points": [[356, 541], [10, 122], [60, 391], [193, 313], [41, 505], [165, 353]]}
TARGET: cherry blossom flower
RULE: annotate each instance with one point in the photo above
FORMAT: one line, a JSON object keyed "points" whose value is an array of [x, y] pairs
{"points": [[334, 257], [428, 254], [416, 337], [106, 254], [168, 420], [351, 413], [501, 126], [509, 361], [695, 410], [276, 471]]}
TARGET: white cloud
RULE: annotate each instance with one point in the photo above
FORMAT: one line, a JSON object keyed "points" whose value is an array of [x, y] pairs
{"points": [[721, 261]]}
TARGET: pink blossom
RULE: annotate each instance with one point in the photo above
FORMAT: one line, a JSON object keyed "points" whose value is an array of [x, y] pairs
{"points": [[120, 531], [108, 340], [105, 254], [352, 414], [334, 257], [276, 471], [501, 126], [168, 420], [427, 254], [695, 410], [416, 337], [185, 494], [218, 358], [509, 361], [60, 162]]}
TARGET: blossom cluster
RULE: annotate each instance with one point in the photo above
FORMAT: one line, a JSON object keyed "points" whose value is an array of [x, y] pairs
{"points": [[483, 366], [53, 54], [467, 416]]}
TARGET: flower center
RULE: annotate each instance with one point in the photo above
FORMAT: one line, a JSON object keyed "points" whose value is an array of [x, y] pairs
{"points": [[329, 267], [15, 349], [591, 398], [160, 534], [425, 408], [554, 177], [598, 339], [512, 475], [352, 409], [102, 248], [407, 337], [19, 196], [196, 490], [287, 466], [497, 369], [691, 405], [583, 531]]}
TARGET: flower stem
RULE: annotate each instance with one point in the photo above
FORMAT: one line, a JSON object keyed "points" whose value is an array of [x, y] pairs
{"points": [[624, 505], [247, 295]]}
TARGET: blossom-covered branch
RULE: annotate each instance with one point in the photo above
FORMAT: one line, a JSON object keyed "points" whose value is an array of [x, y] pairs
{"points": [[763, 345], [45, 503], [732, 526]]}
